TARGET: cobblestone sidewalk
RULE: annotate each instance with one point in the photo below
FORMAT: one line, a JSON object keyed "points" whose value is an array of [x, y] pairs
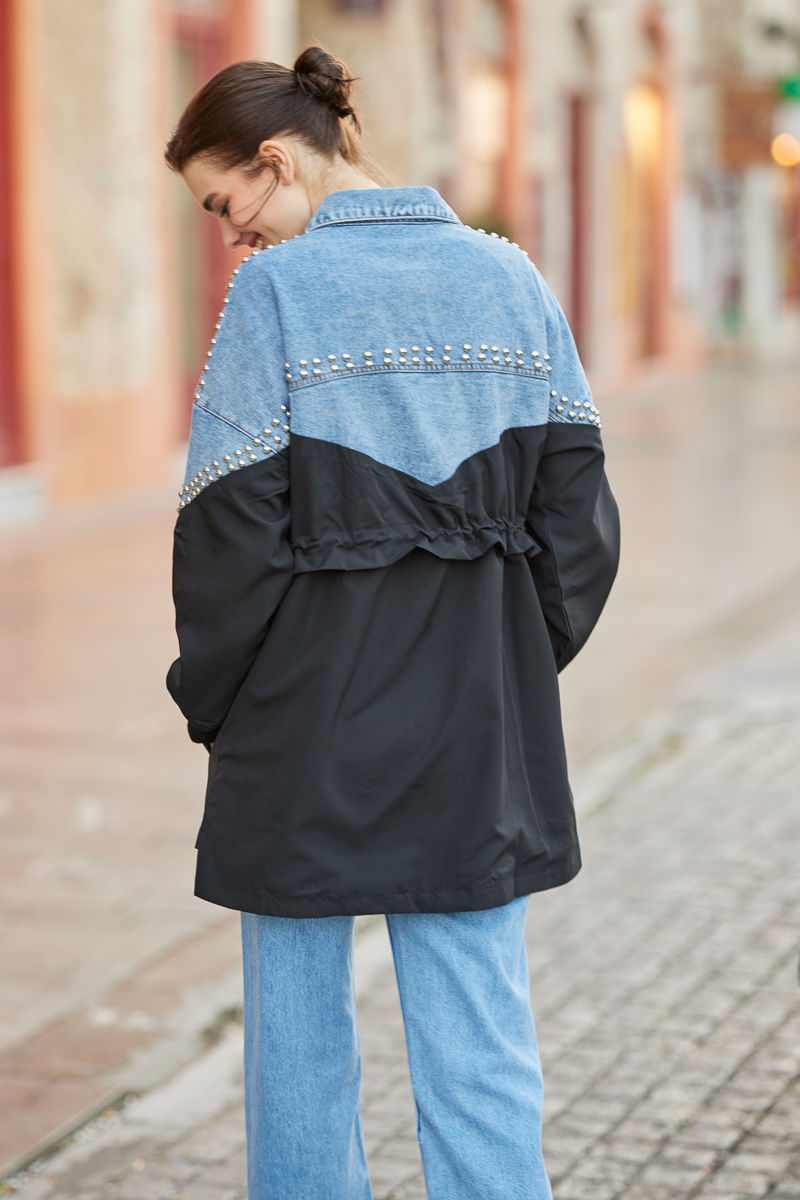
{"points": [[664, 983]]}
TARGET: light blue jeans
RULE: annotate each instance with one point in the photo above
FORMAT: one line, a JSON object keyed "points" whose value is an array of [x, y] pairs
{"points": [[471, 1045]]}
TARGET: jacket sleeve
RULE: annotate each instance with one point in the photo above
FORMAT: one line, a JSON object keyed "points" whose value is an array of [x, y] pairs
{"points": [[232, 560], [573, 514]]}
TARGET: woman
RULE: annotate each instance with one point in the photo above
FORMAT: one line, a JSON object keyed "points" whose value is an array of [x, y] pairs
{"points": [[395, 529]]}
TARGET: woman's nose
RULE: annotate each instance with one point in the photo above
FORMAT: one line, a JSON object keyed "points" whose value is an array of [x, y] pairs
{"points": [[231, 237]]}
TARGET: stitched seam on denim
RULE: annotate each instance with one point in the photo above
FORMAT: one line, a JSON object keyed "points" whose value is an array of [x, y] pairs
{"points": [[434, 368], [372, 220], [226, 420], [204, 479]]}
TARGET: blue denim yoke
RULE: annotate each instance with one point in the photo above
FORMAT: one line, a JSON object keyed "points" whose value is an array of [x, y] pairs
{"points": [[426, 342]]}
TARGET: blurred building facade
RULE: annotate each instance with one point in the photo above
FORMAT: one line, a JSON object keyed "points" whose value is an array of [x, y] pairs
{"points": [[625, 144]]}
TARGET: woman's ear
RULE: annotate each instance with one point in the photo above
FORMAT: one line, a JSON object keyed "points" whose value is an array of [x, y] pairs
{"points": [[277, 155]]}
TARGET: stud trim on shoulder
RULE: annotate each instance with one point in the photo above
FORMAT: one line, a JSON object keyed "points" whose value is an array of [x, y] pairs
{"points": [[275, 436]]}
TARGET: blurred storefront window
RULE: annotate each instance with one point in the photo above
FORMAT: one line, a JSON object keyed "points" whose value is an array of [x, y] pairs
{"points": [[487, 102], [579, 121], [581, 132], [790, 211], [785, 151], [643, 122], [729, 239]]}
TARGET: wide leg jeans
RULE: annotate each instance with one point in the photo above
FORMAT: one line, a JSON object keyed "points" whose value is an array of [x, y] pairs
{"points": [[473, 1057]]}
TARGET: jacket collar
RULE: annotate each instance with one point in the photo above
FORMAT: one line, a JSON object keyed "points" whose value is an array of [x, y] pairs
{"points": [[381, 204]]}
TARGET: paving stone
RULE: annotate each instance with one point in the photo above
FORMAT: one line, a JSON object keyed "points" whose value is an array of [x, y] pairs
{"points": [[596, 1168], [558, 1166], [624, 1149], [388, 1172], [204, 1191], [403, 1150], [723, 1195], [37, 1189], [650, 1192], [719, 1128], [229, 1173], [763, 1161], [413, 1189], [673, 1173], [145, 1185], [205, 1146], [586, 1189], [744, 1183]]}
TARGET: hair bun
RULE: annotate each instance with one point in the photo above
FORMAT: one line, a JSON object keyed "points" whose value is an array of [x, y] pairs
{"points": [[324, 78]]}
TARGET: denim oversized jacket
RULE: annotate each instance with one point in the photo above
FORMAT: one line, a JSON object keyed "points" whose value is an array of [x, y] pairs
{"points": [[394, 530]]}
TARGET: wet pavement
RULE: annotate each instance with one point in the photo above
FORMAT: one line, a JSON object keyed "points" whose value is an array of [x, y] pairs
{"points": [[116, 979]]}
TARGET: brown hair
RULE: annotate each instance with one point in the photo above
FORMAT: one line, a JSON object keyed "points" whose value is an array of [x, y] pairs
{"points": [[248, 102]]}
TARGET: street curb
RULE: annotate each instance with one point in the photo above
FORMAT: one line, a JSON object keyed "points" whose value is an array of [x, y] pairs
{"points": [[208, 1018]]}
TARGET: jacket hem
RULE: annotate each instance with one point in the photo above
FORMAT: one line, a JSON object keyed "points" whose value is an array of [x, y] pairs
{"points": [[491, 893]]}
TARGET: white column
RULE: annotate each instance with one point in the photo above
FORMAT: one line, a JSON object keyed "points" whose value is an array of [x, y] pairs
{"points": [[761, 304], [276, 24]]}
